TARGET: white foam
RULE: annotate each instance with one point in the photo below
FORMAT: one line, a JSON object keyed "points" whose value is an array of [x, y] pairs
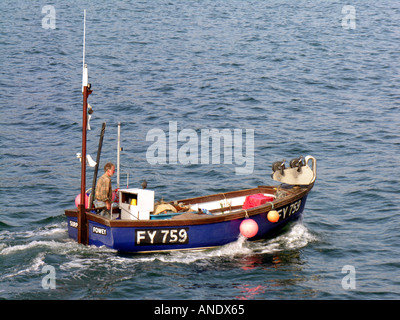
{"points": [[47, 231], [30, 245], [238, 247], [34, 267], [79, 263], [299, 237], [296, 238], [81, 257]]}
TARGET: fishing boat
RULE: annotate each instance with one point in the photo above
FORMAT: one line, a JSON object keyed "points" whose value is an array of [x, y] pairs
{"points": [[205, 222], [138, 224]]}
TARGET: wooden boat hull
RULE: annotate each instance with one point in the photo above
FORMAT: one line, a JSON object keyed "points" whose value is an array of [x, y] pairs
{"points": [[193, 231]]}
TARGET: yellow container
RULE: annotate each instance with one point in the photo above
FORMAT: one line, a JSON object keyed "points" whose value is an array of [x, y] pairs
{"points": [[133, 202]]}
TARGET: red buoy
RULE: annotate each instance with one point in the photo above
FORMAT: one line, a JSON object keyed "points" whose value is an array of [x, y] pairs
{"points": [[78, 200], [248, 228]]}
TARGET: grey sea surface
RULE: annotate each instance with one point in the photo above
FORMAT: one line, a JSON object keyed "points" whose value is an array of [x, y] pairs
{"points": [[308, 77]]}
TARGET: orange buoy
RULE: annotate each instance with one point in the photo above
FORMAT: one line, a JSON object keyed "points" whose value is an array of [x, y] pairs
{"points": [[248, 228], [273, 216]]}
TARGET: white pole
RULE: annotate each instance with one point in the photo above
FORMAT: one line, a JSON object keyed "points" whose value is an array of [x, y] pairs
{"points": [[119, 151], [84, 68], [84, 35]]}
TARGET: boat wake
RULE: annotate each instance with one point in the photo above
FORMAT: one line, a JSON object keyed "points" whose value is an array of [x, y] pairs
{"points": [[297, 237], [54, 237], [31, 248], [50, 245]]}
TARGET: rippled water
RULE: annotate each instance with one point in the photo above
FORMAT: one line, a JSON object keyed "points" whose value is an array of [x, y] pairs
{"points": [[289, 70]]}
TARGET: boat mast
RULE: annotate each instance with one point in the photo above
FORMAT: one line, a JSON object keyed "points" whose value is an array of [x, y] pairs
{"points": [[82, 221], [118, 154]]}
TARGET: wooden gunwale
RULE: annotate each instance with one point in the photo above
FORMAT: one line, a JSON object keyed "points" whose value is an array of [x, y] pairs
{"points": [[293, 194]]}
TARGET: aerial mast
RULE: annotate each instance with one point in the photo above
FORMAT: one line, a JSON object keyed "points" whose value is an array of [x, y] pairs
{"points": [[82, 221]]}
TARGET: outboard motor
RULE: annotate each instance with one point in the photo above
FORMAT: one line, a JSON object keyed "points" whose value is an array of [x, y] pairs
{"points": [[299, 173], [279, 165], [297, 163]]}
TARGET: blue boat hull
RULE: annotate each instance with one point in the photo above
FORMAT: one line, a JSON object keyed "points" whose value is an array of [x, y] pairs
{"points": [[150, 236]]}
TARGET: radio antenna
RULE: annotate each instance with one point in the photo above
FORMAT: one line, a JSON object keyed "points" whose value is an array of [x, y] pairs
{"points": [[84, 35], [84, 69], [82, 220]]}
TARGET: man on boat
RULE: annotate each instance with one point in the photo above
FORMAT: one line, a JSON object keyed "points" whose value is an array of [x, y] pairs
{"points": [[103, 196]]}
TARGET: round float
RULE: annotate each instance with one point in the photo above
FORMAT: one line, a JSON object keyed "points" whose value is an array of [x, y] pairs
{"points": [[248, 228]]}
